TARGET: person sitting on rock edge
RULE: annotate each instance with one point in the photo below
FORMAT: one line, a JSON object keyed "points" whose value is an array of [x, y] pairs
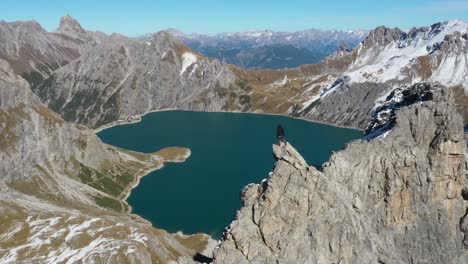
{"points": [[280, 135]]}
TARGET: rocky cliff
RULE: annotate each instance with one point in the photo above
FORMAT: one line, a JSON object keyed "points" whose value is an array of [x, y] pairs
{"points": [[35, 53], [124, 77], [385, 60], [397, 198], [93, 79], [62, 191]]}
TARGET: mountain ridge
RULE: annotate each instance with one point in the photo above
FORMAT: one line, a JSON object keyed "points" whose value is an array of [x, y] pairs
{"points": [[401, 59], [236, 47], [214, 86], [62, 189]]}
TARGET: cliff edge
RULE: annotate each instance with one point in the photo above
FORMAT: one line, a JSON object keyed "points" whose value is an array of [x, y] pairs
{"points": [[396, 198]]}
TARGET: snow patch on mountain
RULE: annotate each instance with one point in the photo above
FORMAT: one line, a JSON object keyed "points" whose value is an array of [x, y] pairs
{"points": [[384, 111], [309, 102], [382, 64], [452, 71], [280, 82], [188, 59], [60, 239]]}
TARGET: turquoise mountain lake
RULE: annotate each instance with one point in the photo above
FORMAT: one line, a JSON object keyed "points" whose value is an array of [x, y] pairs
{"points": [[229, 150]]}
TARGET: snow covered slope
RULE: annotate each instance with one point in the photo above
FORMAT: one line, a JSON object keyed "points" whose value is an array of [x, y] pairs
{"points": [[435, 53], [385, 60]]}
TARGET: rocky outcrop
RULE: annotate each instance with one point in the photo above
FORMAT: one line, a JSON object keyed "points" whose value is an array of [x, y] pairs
{"points": [[125, 77], [62, 190], [397, 198], [389, 59], [29, 48], [94, 79], [382, 36], [339, 107], [383, 117], [35, 53]]}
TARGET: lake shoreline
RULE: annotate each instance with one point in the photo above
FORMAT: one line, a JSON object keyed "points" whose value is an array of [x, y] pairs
{"points": [[209, 133], [147, 172], [130, 120], [138, 177], [137, 118]]}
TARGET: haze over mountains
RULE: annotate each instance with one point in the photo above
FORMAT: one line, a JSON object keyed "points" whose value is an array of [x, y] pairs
{"points": [[269, 49], [63, 191]]}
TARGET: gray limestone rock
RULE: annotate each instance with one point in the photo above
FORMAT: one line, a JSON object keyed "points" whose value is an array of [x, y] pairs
{"points": [[62, 190], [125, 77], [394, 199]]}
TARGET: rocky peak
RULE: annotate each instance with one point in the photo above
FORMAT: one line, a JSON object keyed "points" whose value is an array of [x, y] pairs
{"points": [[71, 28], [344, 47], [383, 36], [165, 39], [163, 35], [52, 176], [384, 114], [457, 24], [69, 25], [175, 32], [434, 33], [455, 43], [167, 36], [160, 73]]}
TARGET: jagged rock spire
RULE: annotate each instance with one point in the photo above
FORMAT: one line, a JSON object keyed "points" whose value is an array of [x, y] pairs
{"points": [[69, 25]]}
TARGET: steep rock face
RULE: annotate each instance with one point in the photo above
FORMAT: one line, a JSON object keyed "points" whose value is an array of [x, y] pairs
{"points": [[125, 77], [395, 199], [387, 59], [340, 106], [390, 58], [122, 78], [62, 190], [382, 36], [394, 55], [29, 48], [449, 56], [39, 149], [70, 26], [34, 53], [384, 112]]}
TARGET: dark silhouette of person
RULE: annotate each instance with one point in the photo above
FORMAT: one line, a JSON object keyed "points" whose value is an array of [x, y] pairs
{"points": [[280, 134]]}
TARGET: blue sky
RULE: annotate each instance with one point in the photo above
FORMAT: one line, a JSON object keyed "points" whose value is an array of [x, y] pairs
{"points": [[212, 16]]}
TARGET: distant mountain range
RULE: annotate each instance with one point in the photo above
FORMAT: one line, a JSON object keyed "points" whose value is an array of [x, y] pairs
{"points": [[65, 187], [269, 49], [94, 79]]}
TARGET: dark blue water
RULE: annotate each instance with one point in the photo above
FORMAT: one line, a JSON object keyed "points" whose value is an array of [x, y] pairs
{"points": [[229, 150]]}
